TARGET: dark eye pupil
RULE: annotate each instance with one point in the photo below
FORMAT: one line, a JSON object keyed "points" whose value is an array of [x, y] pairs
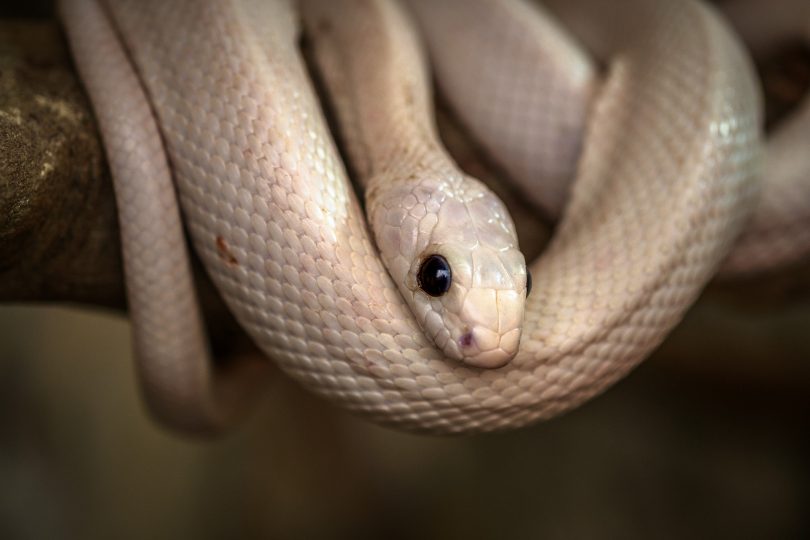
{"points": [[435, 275], [528, 282]]}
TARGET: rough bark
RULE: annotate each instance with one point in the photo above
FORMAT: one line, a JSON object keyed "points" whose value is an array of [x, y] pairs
{"points": [[58, 229], [58, 223]]}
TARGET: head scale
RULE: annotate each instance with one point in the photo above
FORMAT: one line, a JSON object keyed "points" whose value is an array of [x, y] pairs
{"points": [[451, 247]]}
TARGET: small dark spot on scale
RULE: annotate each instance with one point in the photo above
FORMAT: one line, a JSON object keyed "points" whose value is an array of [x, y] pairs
{"points": [[466, 340], [225, 252]]}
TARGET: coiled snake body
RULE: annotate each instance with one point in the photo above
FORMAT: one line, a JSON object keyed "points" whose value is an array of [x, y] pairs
{"points": [[216, 94]]}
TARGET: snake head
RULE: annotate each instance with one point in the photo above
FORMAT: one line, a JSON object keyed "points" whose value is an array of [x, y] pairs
{"points": [[455, 259], [474, 310]]}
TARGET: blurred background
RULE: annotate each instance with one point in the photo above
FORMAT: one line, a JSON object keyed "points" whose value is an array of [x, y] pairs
{"points": [[708, 438]]}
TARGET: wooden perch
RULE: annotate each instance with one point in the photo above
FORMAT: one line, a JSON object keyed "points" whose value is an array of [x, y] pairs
{"points": [[58, 228], [58, 224]]}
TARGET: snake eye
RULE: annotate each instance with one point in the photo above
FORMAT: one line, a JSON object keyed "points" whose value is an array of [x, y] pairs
{"points": [[435, 276], [528, 282]]}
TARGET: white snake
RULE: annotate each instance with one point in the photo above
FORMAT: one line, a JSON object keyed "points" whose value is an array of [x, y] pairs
{"points": [[216, 94]]}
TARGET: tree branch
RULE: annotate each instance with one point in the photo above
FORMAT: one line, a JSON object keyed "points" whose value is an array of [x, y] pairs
{"points": [[58, 228], [59, 238]]}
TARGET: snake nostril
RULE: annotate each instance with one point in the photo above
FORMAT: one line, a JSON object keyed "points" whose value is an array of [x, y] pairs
{"points": [[466, 340]]}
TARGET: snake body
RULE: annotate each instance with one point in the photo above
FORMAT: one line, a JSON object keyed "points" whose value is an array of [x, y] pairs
{"points": [[419, 203], [556, 98], [217, 93]]}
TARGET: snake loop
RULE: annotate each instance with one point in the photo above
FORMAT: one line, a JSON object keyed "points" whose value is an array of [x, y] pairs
{"points": [[216, 93]]}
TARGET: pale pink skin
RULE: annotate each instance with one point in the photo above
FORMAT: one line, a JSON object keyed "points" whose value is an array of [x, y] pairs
{"points": [[418, 202], [659, 196], [480, 317]]}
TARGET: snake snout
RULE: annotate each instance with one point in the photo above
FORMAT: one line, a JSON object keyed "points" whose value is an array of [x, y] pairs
{"points": [[493, 335]]}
